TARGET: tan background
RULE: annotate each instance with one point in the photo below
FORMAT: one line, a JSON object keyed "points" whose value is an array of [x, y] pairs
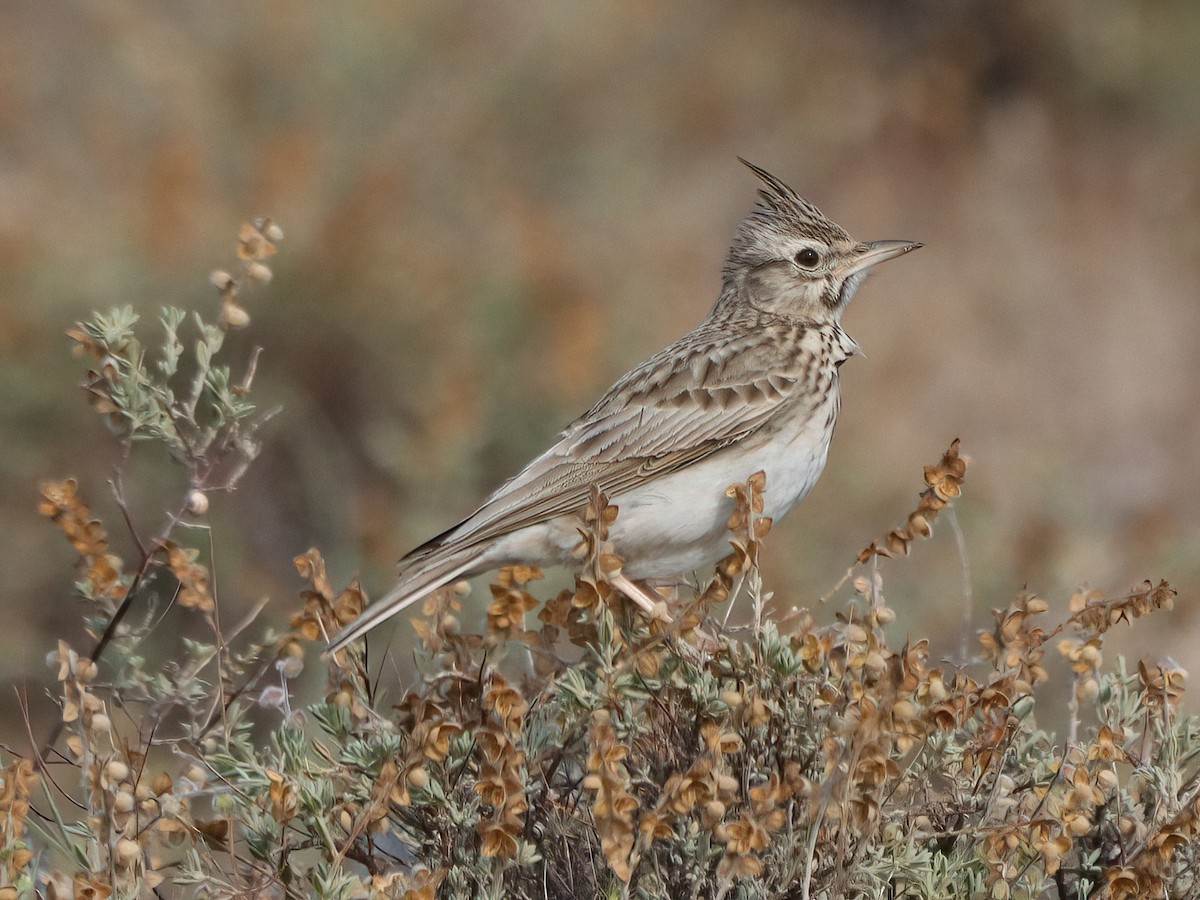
{"points": [[494, 209]]}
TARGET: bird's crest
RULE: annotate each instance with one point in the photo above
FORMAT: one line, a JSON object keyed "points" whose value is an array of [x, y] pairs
{"points": [[781, 209]]}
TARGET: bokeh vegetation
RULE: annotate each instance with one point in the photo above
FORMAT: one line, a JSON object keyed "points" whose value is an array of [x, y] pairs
{"points": [[495, 209]]}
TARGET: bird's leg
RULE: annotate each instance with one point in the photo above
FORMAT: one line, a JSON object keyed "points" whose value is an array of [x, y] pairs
{"points": [[647, 598], [668, 589]]}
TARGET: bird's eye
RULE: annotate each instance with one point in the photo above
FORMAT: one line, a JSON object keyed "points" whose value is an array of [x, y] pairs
{"points": [[808, 258]]}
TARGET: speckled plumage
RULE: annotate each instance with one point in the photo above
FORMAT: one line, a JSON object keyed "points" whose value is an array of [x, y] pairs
{"points": [[753, 387]]}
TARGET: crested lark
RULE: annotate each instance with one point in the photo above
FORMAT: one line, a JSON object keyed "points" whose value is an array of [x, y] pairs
{"points": [[754, 387]]}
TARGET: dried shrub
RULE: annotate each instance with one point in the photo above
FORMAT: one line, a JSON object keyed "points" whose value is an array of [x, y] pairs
{"points": [[579, 745]]}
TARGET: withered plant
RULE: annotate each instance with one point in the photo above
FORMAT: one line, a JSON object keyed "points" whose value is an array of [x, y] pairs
{"points": [[573, 748]]}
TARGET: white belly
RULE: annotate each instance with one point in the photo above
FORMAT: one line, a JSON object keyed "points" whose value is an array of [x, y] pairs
{"points": [[679, 523]]}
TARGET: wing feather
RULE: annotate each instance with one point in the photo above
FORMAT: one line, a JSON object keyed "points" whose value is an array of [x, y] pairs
{"points": [[706, 391]]}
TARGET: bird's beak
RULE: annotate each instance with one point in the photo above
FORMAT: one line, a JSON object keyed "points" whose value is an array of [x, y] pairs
{"points": [[876, 252]]}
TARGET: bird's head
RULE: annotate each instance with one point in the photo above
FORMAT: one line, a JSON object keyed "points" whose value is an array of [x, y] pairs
{"points": [[788, 259]]}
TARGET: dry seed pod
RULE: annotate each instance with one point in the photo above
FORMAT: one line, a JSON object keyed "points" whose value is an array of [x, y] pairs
{"points": [[197, 503]]}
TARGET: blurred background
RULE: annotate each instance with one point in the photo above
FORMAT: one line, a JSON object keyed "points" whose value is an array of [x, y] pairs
{"points": [[492, 210]]}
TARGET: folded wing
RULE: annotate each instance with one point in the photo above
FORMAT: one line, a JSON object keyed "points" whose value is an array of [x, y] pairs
{"points": [[705, 392]]}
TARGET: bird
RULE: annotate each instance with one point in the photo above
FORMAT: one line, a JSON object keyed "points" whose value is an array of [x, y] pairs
{"points": [[754, 387]]}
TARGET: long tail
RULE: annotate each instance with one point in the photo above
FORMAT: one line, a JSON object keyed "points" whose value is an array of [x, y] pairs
{"points": [[424, 575]]}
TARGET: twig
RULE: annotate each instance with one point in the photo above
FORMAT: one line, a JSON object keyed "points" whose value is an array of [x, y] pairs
{"points": [[968, 592], [118, 490], [811, 849]]}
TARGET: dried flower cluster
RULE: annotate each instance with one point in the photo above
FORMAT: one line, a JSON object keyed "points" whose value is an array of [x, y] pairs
{"points": [[258, 240], [101, 581], [16, 786], [945, 483]]}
